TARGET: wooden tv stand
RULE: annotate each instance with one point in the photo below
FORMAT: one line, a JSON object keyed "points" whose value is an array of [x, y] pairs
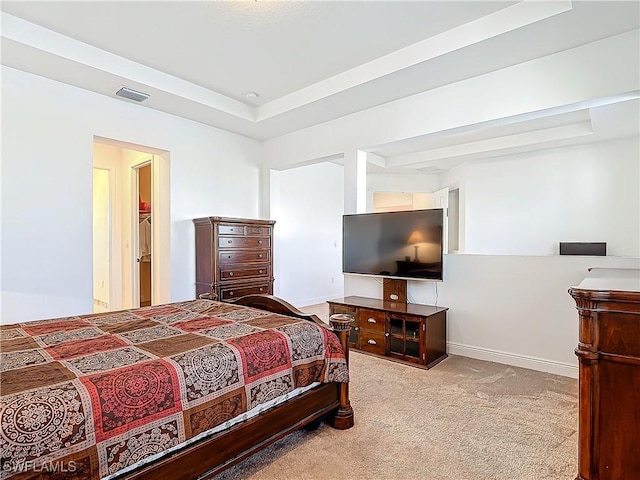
{"points": [[406, 332]]}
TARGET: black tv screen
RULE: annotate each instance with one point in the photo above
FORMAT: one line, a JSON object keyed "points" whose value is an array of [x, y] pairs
{"points": [[394, 244]]}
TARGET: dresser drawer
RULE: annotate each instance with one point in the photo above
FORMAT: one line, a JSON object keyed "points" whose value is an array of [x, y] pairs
{"points": [[371, 319], [231, 292], [258, 231], [239, 272], [372, 342], [242, 256], [244, 242], [231, 229], [243, 230]]}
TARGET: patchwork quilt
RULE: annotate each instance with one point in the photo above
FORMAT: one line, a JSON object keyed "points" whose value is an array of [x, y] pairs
{"points": [[86, 396]]}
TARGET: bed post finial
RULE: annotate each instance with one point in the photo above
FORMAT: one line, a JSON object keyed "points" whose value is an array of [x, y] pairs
{"points": [[341, 324]]}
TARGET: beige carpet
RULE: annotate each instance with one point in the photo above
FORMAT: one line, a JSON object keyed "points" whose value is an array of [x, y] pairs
{"points": [[463, 419]]}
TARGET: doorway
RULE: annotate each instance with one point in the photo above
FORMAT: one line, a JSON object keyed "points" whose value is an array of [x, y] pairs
{"points": [[138, 226], [143, 207]]}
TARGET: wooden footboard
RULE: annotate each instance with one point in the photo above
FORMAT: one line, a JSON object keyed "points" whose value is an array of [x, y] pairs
{"points": [[341, 325], [224, 449], [275, 305]]}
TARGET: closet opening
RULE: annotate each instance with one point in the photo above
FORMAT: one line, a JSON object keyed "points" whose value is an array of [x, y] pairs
{"points": [[143, 207]]}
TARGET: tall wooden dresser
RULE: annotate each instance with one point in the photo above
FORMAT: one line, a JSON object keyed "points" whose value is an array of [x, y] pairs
{"points": [[608, 303], [234, 257]]}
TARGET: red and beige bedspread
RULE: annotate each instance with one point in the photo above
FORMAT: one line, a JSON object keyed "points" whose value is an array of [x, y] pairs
{"points": [[93, 394]]}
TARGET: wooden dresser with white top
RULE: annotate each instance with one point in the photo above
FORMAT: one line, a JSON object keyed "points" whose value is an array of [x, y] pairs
{"points": [[608, 303]]}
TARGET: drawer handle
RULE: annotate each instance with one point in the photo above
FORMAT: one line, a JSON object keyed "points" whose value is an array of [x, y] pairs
{"points": [[231, 229], [228, 256], [229, 241], [259, 271], [371, 341], [371, 320], [261, 289], [231, 294], [259, 255], [386, 334], [259, 241], [231, 274]]}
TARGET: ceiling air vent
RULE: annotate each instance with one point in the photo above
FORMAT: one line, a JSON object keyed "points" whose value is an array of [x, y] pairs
{"points": [[132, 94]]}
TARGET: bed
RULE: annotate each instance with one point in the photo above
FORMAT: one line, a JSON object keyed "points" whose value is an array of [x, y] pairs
{"points": [[177, 391]]}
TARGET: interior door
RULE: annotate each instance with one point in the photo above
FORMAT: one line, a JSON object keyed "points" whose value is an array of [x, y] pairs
{"points": [[145, 234], [142, 235]]}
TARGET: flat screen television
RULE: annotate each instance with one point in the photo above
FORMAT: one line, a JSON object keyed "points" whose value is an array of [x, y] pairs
{"points": [[405, 244]]}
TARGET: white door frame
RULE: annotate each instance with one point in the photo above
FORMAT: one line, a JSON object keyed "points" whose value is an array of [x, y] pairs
{"points": [[161, 229], [440, 199]]}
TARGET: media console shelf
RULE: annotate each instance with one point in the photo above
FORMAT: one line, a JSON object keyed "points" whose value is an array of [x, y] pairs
{"points": [[407, 332]]}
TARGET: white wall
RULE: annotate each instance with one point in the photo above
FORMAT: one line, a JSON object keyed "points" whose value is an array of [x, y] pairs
{"points": [[405, 183], [47, 142], [526, 204], [308, 208]]}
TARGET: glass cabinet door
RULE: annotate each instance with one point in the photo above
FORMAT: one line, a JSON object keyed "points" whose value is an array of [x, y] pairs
{"points": [[412, 339], [353, 333], [405, 337], [397, 327], [396, 343]]}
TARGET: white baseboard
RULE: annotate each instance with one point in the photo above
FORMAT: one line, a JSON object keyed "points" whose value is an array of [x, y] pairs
{"points": [[100, 303], [533, 363]]}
